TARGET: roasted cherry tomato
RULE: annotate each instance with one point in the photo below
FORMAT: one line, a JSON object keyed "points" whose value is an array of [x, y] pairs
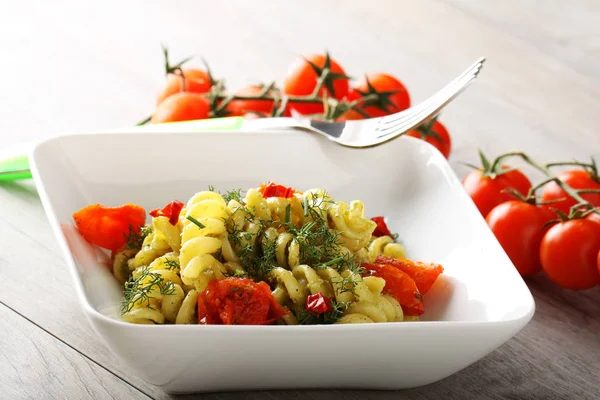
{"points": [[577, 179], [170, 211], [436, 135], [274, 190], [381, 229], [400, 286], [301, 80], [242, 107], [487, 192], [108, 227], [182, 106], [519, 227], [196, 81], [569, 254], [393, 96], [424, 274], [238, 301], [318, 303]]}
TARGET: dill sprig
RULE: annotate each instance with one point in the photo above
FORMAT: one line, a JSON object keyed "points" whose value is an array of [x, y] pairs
{"points": [[172, 264], [138, 291], [305, 317], [235, 194], [195, 222], [135, 238]]}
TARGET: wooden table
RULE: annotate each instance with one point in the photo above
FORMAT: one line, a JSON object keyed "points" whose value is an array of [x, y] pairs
{"points": [[76, 66]]}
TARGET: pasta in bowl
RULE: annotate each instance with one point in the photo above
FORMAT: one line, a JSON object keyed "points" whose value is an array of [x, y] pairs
{"points": [[268, 255]]}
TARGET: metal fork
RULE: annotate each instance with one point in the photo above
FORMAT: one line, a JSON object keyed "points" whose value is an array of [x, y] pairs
{"points": [[375, 131]]}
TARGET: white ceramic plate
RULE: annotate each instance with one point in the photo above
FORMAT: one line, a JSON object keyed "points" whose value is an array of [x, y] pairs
{"points": [[476, 305]]}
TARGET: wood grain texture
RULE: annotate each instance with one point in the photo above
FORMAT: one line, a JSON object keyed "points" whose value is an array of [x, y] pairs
{"points": [[35, 365], [78, 67]]}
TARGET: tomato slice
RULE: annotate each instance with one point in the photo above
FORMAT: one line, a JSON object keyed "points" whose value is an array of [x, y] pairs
{"points": [[424, 274], [108, 227], [274, 190], [170, 211], [318, 303], [400, 286], [381, 229], [238, 301]]}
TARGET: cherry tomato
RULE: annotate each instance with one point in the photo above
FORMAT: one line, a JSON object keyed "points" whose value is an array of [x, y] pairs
{"points": [[274, 190], [170, 211], [108, 227], [487, 192], [238, 301], [381, 229], [598, 262], [437, 136], [594, 217], [393, 94], [577, 179], [569, 254], [196, 81], [301, 80], [242, 107], [181, 106], [400, 286], [519, 227], [351, 114], [424, 274], [318, 303]]}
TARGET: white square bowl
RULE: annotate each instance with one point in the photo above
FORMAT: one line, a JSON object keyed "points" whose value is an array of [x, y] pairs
{"points": [[477, 304]]}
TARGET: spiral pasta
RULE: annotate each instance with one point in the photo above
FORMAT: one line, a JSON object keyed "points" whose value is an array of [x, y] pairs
{"points": [[384, 245], [202, 238], [308, 251]]}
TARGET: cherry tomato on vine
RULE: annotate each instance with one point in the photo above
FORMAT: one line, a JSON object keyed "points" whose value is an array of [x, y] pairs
{"points": [[301, 80], [488, 192], [351, 114], [196, 81], [593, 217], [519, 227], [577, 179], [393, 96], [181, 106], [242, 107], [436, 135], [569, 254]]}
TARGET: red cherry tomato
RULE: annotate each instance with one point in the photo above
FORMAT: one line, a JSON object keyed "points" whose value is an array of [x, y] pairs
{"points": [[400, 286], [108, 227], [242, 107], [274, 190], [301, 80], [393, 94], [318, 303], [594, 217], [382, 228], [487, 192], [182, 106], [519, 227], [437, 136], [424, 274], [569, 254], [170, 211], [577, 179], [238, 301], [196, 81]]}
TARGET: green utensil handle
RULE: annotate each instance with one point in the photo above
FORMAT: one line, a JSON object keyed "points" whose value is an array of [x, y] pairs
{"points": [[16, 167]]}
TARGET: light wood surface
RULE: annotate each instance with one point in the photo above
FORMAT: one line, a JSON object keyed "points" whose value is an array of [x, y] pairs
{"points": [[72, 66]]}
